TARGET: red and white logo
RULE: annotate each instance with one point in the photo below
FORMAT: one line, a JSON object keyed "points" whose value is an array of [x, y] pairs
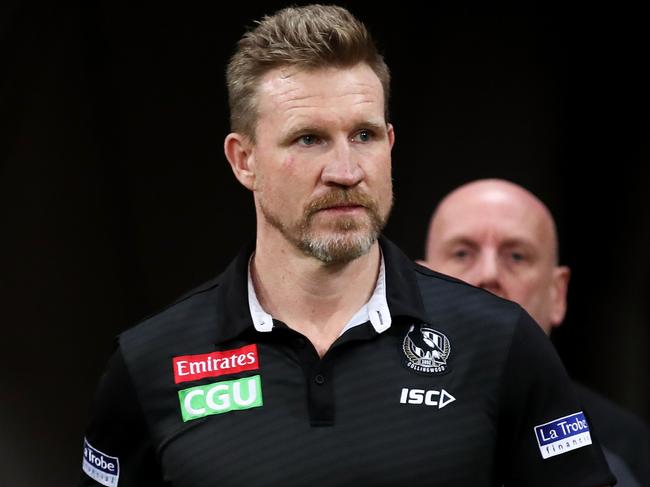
{"points": [[195, 367]]}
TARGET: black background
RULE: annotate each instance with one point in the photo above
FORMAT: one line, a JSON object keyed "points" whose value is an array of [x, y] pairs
{"points": [[116, 196]]}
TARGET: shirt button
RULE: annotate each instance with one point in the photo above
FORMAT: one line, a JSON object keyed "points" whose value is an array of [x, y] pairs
{"points": [[319, 379]]}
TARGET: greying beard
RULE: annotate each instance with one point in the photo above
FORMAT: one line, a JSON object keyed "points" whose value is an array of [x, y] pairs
{"points": [[344, 243], [341, 248]]}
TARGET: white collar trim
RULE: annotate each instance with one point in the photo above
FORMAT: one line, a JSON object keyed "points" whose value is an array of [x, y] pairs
{"points": [[262, 321], [375, 310]]}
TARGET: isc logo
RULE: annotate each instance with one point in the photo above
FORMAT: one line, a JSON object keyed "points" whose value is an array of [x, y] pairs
{"points": [[439, 398]]}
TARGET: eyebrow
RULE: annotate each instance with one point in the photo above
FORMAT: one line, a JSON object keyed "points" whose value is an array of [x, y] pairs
{"points": [[374, 126], [520, 241], [317, 129], [509, 242], [460, 240]]}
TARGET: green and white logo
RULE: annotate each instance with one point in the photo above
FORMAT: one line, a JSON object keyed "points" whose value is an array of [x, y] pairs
{"points": [[220, 397]]}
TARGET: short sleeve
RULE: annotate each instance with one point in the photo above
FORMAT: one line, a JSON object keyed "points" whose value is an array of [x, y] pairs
{"points": [[545, 438], [117, 449]]}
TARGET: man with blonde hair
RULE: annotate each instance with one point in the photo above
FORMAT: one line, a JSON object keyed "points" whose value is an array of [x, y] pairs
{"points": [[323, 355], [499, 236]]}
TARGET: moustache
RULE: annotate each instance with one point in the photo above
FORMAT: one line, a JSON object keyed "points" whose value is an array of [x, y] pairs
{"points": [[341, 197]]}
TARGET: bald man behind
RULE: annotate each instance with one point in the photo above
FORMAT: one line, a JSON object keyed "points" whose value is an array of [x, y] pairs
{"points": [[497, 235]]}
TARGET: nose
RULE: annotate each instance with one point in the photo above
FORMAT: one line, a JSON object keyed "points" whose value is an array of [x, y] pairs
{"points": [[342, 167], [487, 275]]}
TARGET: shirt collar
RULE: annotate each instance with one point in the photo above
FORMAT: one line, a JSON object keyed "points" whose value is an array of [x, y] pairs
{"points": [[231, 309], [375, 310], [402, 289], [262, 321]]}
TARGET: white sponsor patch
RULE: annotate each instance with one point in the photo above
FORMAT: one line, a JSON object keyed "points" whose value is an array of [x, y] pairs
{"points": [[563, 435], [100, 467]]}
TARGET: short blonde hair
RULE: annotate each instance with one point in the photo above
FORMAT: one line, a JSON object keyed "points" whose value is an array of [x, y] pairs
{"points": [[309, 37]]}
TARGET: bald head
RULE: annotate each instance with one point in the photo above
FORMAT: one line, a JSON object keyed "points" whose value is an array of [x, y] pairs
{"points": [[499, 236]]}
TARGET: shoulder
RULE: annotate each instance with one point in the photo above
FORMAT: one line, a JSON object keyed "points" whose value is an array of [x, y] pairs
{"points": [[181, 319], [490, 335], [200, 316], [476, 320], [450, 299]]}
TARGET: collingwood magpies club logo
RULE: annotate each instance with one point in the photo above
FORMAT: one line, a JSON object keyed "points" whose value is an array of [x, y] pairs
{"points": [[426, 350]]}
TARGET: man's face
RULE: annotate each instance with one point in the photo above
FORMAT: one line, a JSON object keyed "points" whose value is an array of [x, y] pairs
{"points": [[501, 239], [321, 160]]}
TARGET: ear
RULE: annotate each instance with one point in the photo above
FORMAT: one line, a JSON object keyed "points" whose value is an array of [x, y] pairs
{"points": [[239, 152], [391, 135], [559, 288]]}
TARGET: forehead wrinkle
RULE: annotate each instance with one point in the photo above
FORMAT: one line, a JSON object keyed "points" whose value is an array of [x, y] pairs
{"points": [[358, 89], [317, 115], [282, 86], [322, 111], [297, 101], [300, 121], [365, 99]]}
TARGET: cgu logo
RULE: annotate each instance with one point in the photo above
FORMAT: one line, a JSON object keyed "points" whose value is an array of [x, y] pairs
{"points": [[429, 398], [220, 397]]}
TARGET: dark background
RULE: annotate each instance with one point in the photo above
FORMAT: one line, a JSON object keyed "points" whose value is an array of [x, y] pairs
{"points": [[116, 196]]}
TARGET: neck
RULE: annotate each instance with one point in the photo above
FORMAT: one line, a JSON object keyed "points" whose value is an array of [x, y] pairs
{"points": [[313, 298]]}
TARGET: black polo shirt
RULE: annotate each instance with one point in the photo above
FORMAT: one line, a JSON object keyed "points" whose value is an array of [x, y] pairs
{"points": [[463, 389]]}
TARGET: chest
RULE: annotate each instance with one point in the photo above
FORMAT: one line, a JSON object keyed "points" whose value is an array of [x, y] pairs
{"points": [[358, 415]]}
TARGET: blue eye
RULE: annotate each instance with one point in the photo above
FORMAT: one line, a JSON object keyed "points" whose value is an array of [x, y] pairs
{"points": [[308, 139], [363, 136]]}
